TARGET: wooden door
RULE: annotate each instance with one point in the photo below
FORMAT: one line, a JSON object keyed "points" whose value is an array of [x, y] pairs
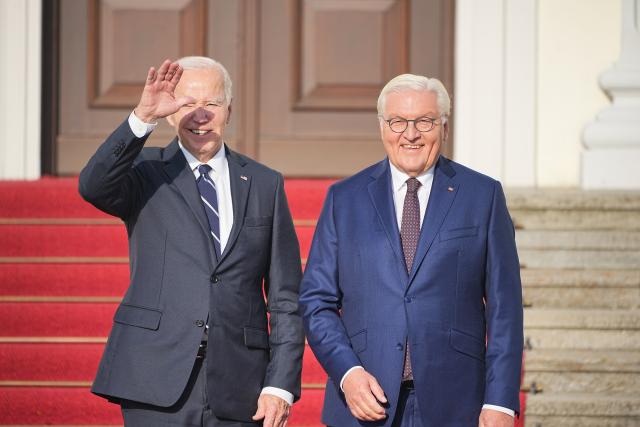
{"points": [[306, 73]]}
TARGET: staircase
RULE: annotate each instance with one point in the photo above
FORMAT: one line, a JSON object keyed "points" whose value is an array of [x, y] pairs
{"points": [[63, 269], [580, 257]]}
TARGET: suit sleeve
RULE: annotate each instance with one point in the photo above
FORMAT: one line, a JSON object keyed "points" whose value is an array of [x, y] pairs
{"points": [[320, 299], [282, 285], [503, 294], [109, 181]]}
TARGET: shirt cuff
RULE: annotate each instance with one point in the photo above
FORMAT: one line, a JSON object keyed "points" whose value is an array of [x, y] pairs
{"points": [[500, 408], [347, 373], [278, 392], [140, 128]]}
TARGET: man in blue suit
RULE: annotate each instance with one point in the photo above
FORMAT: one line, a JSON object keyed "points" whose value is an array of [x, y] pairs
{"points": [[411, 297]]}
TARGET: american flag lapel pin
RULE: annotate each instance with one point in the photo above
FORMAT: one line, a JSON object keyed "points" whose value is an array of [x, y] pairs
{"points": [[243, 177], [450, 189]]}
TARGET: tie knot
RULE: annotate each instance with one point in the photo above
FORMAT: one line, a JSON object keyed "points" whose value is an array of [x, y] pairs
{"points": [[412, 185], [204, 169]]}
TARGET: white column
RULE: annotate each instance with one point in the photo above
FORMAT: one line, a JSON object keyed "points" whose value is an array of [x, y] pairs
{"points": [[612, 140], [495, 80], [20, 86]]}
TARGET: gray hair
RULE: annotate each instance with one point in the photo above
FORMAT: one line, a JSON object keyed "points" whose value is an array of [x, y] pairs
{"points": [[405, 82], [203, 62]]}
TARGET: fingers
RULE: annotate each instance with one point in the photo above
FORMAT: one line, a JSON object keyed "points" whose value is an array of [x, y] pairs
{"points": [[151, 75], [164, 68], [176, 76], [377, 390], [260, 411], [363, 394]]}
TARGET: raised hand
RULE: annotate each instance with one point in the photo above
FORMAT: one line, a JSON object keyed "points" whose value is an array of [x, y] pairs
{"points": [[158, 97]]}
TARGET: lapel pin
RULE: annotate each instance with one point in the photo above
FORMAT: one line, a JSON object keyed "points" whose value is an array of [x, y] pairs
{"points": [[450, 189], [243, 177]]}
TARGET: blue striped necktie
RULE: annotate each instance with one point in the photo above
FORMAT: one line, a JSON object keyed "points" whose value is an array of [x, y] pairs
{"points": [[209, 197]]}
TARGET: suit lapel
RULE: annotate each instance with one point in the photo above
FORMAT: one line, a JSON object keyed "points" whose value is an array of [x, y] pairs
{"points": [[381, 195], [240, 184], [181, 177], [443, 193]]}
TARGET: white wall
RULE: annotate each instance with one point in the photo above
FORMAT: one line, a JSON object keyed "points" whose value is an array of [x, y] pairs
{"points": [[526, 84], [577, 40], [20, 83]]}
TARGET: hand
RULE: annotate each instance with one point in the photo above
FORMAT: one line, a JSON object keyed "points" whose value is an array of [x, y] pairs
{"points": [[158, 99], [493, 418], [364, 395], [273, 409]]}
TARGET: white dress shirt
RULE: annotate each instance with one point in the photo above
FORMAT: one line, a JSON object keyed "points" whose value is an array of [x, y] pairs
{"points": [[220, 175], [399, 187]]}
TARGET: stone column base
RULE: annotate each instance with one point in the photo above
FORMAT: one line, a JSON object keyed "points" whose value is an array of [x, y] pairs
{"points": [[611, 169]]}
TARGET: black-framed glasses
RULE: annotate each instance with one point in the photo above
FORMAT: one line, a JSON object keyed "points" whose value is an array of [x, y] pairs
{"points": [[422, 124]]}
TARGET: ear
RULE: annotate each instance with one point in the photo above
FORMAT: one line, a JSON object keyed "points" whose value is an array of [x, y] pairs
{"points": [[228, 114], [445, 131]]}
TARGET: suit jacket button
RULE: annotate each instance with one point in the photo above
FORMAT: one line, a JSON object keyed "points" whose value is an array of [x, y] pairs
{"points": [[199, 323], [215, 278], [408, 299], [399, 346]]}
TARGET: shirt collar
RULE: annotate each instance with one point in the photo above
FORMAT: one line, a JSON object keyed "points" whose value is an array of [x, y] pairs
{"points": [[218, 162], [399, 178]]}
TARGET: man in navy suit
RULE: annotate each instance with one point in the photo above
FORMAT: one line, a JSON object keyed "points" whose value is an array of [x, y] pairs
{"points": [[207, 229], [411, 296]]}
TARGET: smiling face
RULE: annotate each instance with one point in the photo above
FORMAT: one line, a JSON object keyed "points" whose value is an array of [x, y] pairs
{"points": [[200, 125], [411, 151]]}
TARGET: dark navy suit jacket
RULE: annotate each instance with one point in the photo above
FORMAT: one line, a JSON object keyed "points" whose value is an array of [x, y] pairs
{"points": [[360, 306], [176, 283]]}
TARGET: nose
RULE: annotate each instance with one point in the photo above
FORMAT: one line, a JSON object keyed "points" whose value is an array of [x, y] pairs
{"points": [[411, 133], [200, 115]]}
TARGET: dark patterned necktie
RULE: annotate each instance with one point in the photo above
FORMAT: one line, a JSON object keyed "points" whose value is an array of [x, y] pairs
{"points": [[209, 197], [409, 234]]}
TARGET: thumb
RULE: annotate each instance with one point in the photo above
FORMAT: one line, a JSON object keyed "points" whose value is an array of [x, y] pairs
{"points": [[260, 412], [377, 390]]}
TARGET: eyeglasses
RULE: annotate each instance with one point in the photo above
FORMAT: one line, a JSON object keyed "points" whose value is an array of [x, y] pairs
{"points": [[422, 124]]}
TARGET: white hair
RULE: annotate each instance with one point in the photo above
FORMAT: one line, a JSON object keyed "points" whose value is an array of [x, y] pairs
{"points": [[405, 82], [203, 62]]}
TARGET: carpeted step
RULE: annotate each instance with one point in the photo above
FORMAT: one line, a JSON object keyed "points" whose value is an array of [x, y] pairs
{"points": [[56, 319], [64, 280], [79, 362], [77, 406], [59, 198], [84, 240]]}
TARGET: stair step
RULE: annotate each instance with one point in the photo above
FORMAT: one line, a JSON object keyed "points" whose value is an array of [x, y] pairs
{"points": [[582, 278], [578, 239], [64, 279], [583, 382], [582, 405], [544, 199], [84, 240], [79, 362], [562, 360], [579, 259], [526, 219], [77, 406], [582, 339], [59, 198], [566, 297], [581, 319], [576, 421]]}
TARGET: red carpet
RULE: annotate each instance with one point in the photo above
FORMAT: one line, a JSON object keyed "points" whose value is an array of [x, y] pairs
{"points": [[57, 300]]}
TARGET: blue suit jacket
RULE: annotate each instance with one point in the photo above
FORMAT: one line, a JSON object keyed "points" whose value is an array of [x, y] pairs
{"points": [[360, 305]]}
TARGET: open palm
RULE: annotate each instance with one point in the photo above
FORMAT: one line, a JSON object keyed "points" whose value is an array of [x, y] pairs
{"points": [[158, 99]]}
